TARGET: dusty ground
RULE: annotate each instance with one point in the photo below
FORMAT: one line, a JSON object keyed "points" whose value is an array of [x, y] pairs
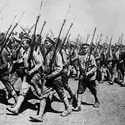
{"points": [[110, 112]]}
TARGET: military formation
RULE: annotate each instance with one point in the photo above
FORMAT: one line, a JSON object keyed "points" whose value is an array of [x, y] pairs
{"points": [[47, 64]]}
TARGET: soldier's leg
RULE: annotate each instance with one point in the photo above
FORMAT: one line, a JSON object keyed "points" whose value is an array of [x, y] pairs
{"points": [[93, 90], [58, 86], [36, 83], [82, 85], [114, 76], [23, 91], [10, 89], [116, 80], [76, 69], [13, 78], [102, 75], [39, 117], [66, 85]]}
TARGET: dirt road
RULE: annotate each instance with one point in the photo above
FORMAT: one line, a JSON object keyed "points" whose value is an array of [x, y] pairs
{"points": [[110, 112]]}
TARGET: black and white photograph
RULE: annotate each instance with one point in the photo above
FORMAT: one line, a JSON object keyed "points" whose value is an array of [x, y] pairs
{"points": [[62, 62]]}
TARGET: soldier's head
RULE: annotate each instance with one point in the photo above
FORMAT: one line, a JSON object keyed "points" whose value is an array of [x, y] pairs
{"points": [[49, 43], [72, 45], [109, 64], [84, 48], [17, 40], [26, 42]]}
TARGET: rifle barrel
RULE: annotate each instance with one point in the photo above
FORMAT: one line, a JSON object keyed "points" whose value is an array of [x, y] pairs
{"points": [[20, 17]]}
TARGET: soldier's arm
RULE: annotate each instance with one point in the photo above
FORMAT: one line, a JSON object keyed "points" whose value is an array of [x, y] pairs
{"points": [[4, 59], [59, 65], [81, 64], [64, 57], [39, 61], [93, 65], [76, 56]]}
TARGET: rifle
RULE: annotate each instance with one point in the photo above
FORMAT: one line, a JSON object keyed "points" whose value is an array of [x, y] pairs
{"points": [[10, 26], [40, 35], [98, 43], [57, 42], [66, 37], [121, 43], [42, 28], [31, 29], [1, 10], [121, 38], [81, 39], [77, 39], [69, 37], [90, 52], [109, 47], [33, 38], [104, 43], [68, 33], [6, 40], [97, 39], [106, 39], [88, 35], [9, 29], [52, 33], [56, 47], [23, 29], [100, 38]]}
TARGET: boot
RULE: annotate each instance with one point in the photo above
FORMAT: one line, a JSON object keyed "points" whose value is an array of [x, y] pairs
{"points": [[15, 97], [96, 104], [68, 108], [39, 117], [16, 109], [78, 108]]}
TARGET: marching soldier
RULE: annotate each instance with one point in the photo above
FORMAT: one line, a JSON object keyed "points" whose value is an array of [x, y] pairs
{"points": [[65, 74], [4, 73], [53, 80], [87, 66], [32, 76]]}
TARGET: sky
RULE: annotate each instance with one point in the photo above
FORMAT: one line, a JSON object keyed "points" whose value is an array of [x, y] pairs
{"points": [[108, 16]]}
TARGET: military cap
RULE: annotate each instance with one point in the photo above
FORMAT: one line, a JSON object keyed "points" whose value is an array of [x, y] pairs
{"points": [[26, 39], [2, 34], [48, 39], [72, 44], [17, 38], [83, 45]]}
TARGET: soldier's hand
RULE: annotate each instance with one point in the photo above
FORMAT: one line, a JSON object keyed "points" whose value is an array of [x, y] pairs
{"points": [[81, 77], [87, 73], [49, 77], [29, 72]]}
